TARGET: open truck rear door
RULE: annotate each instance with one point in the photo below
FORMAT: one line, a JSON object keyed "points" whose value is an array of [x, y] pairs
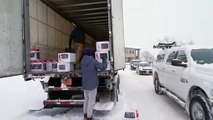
{"points": [[12, 44], [118, 44]]}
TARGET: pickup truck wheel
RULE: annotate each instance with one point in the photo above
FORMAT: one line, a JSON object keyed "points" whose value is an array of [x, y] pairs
{"points": [[198, 109], [157, 86]]}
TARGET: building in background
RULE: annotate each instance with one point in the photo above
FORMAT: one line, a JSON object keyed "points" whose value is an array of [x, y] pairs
{"points": [[131, 53]]}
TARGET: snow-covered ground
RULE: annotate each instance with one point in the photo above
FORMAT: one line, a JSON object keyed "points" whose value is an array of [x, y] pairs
{"points": [[17, 96]]}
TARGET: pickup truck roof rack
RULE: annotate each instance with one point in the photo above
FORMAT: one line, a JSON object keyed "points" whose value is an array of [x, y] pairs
{"points": [[162, 45]]}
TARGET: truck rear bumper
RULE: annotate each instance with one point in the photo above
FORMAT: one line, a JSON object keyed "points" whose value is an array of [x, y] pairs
{"points": [[63, 103]]}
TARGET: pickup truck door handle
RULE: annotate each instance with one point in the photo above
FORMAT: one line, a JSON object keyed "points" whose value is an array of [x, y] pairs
{"points": [[173, 70]]}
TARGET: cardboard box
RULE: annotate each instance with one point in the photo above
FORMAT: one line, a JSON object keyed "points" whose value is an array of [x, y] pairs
{"points": [[49, 65], [67, 82], [37, 66], [65, 67], [102, 46], [54, 65], [98, 56], [35, 54], [67, 57]]}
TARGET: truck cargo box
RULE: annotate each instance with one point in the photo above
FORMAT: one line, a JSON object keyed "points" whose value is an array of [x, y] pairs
{"points": [[47, 24]]}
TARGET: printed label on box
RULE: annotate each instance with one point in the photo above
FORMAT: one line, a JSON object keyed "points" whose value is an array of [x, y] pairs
{"points": [[102, 46]]}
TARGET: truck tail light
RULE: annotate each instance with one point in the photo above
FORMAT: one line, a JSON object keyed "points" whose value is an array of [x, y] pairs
{"points": [[137, 114], [46, 102]]}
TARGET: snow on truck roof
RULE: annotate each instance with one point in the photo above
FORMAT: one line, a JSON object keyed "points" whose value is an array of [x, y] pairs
{"points": [[186, 47], [190, 47]]}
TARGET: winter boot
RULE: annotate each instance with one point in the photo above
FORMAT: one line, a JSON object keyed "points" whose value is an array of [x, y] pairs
{"points": [[89, 118], [85, 116]]}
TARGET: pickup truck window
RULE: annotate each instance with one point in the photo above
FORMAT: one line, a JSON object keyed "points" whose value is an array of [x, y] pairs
{"points": [[202, 56], [182, 56], [171, 56]]}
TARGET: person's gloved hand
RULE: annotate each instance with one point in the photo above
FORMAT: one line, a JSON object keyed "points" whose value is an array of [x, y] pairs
{"points": [[104, 59]]}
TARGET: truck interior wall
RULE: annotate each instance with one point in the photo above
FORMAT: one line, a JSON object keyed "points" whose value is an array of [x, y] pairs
{"points": [[49, 31]]}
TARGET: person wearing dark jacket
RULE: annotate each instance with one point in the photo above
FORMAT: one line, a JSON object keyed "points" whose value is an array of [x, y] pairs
{"points": [[78, 37], [90, 81]]}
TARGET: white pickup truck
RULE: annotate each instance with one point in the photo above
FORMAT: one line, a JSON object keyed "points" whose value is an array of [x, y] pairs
{"points": [[186, 75]]}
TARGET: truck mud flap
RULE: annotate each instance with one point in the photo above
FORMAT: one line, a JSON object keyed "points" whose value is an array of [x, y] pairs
{"points": [[104, 106], [36, 108]]}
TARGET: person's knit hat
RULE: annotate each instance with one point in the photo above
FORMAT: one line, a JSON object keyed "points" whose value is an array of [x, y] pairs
{"points": [[88, 51]]}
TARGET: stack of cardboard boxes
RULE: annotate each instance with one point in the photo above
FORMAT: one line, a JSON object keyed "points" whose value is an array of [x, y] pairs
{"points": [[39, 65], [66, 62], [54, 65], [36, 65], [35, 54], [103, 50]]}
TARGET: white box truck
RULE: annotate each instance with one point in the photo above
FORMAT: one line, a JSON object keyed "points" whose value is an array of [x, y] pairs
{"points": [[46, 25]]}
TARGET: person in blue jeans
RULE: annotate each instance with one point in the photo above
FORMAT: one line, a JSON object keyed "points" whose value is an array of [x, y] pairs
{"points": [[90, 80]]}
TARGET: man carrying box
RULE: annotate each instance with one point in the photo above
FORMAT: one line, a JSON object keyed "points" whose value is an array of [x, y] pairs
{"points": [[78, 37]]}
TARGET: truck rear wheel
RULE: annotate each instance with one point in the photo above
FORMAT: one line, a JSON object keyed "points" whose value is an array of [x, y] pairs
{"points": [[115, 93], [118, 84], [198, 109], [157, 86]]}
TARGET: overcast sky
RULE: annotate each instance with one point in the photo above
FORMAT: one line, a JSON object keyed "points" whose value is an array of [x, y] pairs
{"points": [[148, 21]]}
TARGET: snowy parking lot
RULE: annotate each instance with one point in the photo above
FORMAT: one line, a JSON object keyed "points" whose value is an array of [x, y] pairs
{"points": [[17, 96]]}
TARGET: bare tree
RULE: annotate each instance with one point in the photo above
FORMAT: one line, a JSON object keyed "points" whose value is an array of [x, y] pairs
{"points": [[191, 42], [167, 39], [147, 56]]}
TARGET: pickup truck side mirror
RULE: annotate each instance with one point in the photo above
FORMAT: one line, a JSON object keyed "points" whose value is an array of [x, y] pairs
{"points": [[177, 62]]}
